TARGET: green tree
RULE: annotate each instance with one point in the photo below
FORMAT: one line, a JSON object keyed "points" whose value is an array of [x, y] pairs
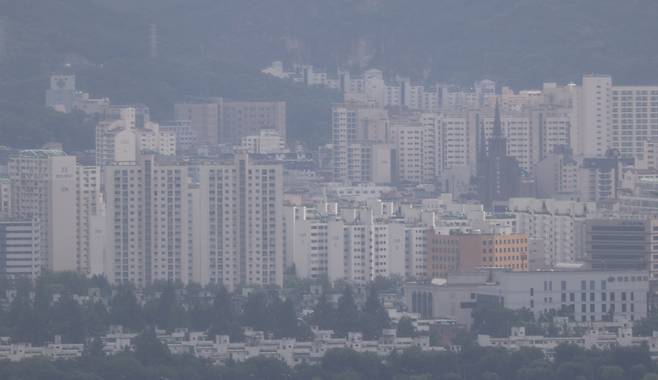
{"points": [[224, 319], [347, 314], [124, 309], [255, 313], [97, 318], [374, 317], [285, 319], [406, 328], [149, 350], [166, 311], [323, 314], [67, 320]]}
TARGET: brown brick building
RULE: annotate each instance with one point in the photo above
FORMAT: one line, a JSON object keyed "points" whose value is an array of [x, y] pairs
{"points": [[470, 252]]}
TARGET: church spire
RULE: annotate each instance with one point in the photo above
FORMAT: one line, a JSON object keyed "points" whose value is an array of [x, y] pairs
{"points": [[497, 127]]}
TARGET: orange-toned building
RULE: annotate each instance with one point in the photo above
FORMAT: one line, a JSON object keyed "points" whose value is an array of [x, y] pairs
{"points": [[471, 252]]}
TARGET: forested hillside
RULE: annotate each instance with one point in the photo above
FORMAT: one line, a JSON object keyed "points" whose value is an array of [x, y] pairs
{"points": [[518, 42], [210, 47]]}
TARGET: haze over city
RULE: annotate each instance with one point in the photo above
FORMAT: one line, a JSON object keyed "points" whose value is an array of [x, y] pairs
{"points": [[328, 189]]}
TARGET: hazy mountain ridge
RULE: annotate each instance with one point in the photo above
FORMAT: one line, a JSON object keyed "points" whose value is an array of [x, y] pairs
{"points": [[517, 42], [210, 47]]}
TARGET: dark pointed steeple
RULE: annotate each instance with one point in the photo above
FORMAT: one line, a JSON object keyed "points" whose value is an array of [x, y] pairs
{"points": [[499, 175]]}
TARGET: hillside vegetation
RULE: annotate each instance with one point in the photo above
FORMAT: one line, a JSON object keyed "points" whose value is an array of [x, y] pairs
{"points": [[216, 48]]}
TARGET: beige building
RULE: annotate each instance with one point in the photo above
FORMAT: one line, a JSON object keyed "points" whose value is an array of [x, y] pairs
{"points": [[359, 138], [217, 121], [43, 186], [117, 140], [204, 117]]}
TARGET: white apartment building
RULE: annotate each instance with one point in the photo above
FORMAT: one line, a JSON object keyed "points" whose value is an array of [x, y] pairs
{"points": [[371, 249], [43, 186], [427, 145], [90, 210], [146, 222], [115, 142], [152, 139], [555, 223], [241, 216], [417, 154], [458, 141], [553, 129], [20, 255], [521, 138], [634, 112], [415, 251], [359, 135], [595, 116], [357, 245]]}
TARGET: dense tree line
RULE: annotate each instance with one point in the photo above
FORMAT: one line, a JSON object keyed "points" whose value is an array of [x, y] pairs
{"points": [[152, 361], [53, 306]]}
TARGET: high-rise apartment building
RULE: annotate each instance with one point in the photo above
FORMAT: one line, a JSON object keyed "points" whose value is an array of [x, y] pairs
{"points": [[207, 222], [353, 244], [146, 222], [595, 115], [90, 217], [634, 119], [359, 137], [241, 219], [43, 186], [115, 142], [555, 223]]}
